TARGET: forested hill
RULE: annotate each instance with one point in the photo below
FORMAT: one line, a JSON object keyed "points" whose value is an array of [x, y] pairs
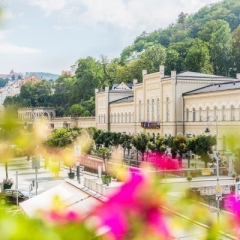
{"points": [[207, 41], [43, 75]]}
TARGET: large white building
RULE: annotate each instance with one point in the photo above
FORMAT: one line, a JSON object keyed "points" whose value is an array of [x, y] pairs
{"points": [[155, 105]]}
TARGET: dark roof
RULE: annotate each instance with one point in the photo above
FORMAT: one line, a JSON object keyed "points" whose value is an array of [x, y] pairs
{"points": [[126, 99], [203, 76], [216, 87]]}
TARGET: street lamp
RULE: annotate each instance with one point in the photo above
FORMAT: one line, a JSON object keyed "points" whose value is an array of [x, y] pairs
{"points": [[218, 187], [207, 130]]}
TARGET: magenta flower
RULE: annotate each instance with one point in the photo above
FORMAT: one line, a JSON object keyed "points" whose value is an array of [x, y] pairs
{"points": [[62, 216], [162, 161], [132, 209]]}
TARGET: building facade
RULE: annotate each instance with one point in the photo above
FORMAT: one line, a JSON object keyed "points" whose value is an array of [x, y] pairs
{"points": [[158, 104]]}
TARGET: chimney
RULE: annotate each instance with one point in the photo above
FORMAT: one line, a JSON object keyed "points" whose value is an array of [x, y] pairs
{"points": [[238, 76], [161, 69], [173, 74], [135, 81], [144, 72]]}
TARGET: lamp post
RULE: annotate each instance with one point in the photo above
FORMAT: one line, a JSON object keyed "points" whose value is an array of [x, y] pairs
{"points": [[218, 187], [207, 130]]}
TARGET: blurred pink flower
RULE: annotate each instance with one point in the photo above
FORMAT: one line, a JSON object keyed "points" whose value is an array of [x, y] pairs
{"points": [[134, 205], [162, 161], [62, 216]]}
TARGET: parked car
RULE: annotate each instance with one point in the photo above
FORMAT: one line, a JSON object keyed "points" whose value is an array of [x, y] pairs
{"points": [[9, 196]]}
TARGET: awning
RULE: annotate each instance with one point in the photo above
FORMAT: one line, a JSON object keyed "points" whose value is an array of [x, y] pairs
{"points": [[74, 197]]}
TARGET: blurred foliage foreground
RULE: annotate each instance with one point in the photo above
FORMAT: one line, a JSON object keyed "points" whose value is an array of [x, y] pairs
{"points": [[138, 210]]}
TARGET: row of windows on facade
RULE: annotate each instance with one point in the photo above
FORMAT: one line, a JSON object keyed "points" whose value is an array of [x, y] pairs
{"points": [[127, 117], [222, 114], [153, 110], [116, 118]]}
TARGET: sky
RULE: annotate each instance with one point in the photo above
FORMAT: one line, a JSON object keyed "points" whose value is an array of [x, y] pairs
{"points": [[51, 35]]}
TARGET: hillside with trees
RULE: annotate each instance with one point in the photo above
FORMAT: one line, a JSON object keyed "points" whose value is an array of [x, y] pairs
{"points": [[207, 41]]}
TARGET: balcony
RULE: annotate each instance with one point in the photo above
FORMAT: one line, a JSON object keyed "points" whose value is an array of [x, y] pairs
{"points": [[150, 125]]}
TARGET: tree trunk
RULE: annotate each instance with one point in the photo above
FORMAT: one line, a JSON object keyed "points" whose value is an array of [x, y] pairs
{"points": [[105, 164], [6, 170]]}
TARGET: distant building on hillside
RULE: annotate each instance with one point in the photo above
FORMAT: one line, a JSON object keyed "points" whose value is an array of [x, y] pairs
{"points": [[135, 55], [32, 78], [74, 68], [12, 88], [12, 75], [66, 73]]}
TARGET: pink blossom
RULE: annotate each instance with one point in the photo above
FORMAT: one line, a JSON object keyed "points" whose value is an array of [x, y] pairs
{"points": [[133, 206], [62, 216], [162, 161]]}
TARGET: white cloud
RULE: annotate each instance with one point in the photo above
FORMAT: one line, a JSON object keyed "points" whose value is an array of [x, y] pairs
{"points": [[133, 14], [49, 6], [8, 48]]}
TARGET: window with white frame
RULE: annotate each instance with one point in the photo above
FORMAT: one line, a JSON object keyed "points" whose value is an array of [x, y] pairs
{"points": [[215, 112], [118, 120], [125, 117], [187, 115], [167, 110], [121, 117], [223, 113], [200, 114], [194, 115], [153, 110], [148, 109], [129, 120], [158, 109], [140, 111], [207, 112], [232, 113]]}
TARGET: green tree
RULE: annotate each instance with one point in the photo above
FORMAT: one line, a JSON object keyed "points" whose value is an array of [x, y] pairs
{"points": [[198, 58], [36, 94], [140, 143], [178, 145], [202, 145], [171, 60], [153, 57], [89, 75]]}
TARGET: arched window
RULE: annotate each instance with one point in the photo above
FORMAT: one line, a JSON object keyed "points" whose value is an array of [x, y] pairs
{"points": [[158, 109], [200, 114], [121, 117], [187, 115], [194, 114], [153, 110], [223, 113], [115, 118], [118, 120], [140, 112], [232, 113], [125, 117], [99, 118], [148, 109], [129, 120], [207, 112], [215, 113], [167, 110]]}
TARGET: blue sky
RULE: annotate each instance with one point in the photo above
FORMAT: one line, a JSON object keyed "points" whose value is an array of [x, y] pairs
{"points": [[50, 35]]}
